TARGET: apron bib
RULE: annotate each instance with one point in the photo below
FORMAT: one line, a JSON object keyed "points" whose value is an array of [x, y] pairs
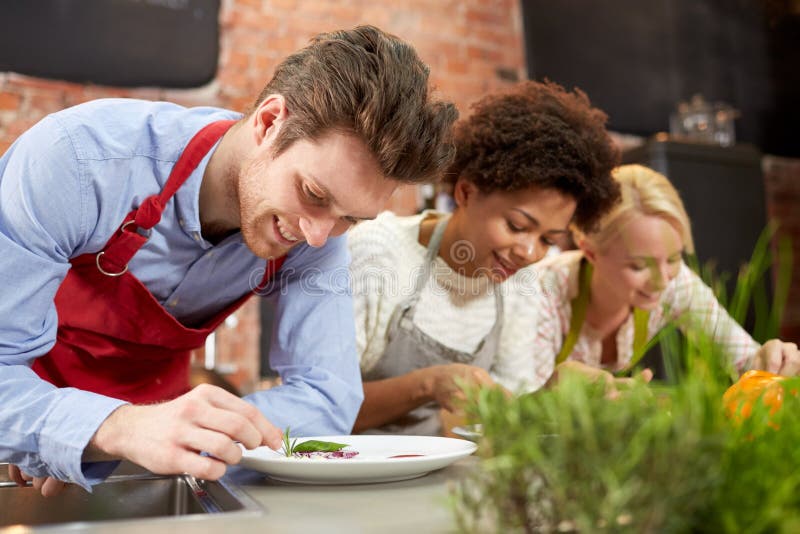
{"points": [[410, 348], [114, 337]]}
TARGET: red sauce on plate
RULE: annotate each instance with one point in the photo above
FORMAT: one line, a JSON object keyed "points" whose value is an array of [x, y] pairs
{"points": [[406, 455]]}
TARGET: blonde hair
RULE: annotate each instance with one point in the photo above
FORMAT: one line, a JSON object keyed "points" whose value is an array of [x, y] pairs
{"points": [[644, 192]]}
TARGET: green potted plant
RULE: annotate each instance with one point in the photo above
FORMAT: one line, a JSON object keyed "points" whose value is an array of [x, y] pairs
{"points": [[660, 458]]}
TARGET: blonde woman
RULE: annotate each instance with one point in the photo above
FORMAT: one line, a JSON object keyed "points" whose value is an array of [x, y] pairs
{"points": [[601, 304]]}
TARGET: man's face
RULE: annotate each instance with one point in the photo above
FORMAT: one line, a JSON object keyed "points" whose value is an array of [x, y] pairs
{"points": [[312, 190]]}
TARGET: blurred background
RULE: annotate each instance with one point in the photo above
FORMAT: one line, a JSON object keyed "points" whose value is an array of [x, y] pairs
{"points": [[705, 91]]}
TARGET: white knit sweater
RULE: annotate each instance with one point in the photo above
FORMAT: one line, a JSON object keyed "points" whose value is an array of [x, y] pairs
{"points": [[455, 310]]}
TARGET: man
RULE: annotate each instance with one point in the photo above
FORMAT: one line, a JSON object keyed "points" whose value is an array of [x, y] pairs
{"points": [[130, 229]]}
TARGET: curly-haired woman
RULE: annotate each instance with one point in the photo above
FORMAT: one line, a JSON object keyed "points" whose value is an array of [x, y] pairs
{"points": [[436, 295]]}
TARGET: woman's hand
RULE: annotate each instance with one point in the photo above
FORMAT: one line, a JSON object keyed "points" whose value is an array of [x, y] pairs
{"points": [[778, 357], [594, 374], [446, 383]]}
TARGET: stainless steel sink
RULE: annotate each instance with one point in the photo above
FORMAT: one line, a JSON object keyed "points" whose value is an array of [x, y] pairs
{"points": [[128, 494]]}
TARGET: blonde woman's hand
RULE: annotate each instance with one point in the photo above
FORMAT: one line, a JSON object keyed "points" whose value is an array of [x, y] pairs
{"points": [[594, 374], [622, 383], [778, 357]]}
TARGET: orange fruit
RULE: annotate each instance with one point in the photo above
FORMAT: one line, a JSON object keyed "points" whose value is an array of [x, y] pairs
{"points": [[752, 385]]}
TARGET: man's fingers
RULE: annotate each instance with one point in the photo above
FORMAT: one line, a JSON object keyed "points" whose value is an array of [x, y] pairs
{"points": [[52, 487], [15, 474], [191, 463], [218, 397], [168, 438], [234, 425], [38, 482], [48, 486], [216, 444], [204, 467], [272, 435]]}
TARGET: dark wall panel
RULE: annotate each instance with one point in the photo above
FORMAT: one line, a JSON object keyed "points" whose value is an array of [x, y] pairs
{"points": [[128, 43], [637, 59]]}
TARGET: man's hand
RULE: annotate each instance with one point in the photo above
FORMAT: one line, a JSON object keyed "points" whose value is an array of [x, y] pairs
{"points": [[778, 357], [49, 486], [446, 383], [167, 438]]}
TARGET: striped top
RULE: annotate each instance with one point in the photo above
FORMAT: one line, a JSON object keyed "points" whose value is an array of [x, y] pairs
{"points": [[686, 300]]}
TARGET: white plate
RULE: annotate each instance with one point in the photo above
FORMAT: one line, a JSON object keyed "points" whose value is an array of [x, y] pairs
{"points": [[470, 432], [374, 462]]}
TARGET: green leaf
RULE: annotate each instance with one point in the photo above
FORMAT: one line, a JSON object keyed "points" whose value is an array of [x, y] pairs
{"points": [[314, 445]]}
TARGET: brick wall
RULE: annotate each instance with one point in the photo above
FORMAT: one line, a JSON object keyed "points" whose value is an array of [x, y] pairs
{"points": [[472, 47]]}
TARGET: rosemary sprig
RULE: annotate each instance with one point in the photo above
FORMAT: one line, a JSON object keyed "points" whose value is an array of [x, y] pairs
{"points": [[288, 443]]}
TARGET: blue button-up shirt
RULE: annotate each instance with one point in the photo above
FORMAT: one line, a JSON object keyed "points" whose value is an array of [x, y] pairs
{"points": [[65, 187]]}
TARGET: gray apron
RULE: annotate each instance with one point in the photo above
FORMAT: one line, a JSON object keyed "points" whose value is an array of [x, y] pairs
{"points": [[410, 348]]}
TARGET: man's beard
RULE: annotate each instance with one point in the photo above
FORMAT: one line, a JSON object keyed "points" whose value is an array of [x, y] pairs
{"points": [[257, 237], [257, 220]]}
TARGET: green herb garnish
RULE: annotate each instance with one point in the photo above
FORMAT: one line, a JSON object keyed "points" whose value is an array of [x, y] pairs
{"points": [[319, 446], [290, 446]]}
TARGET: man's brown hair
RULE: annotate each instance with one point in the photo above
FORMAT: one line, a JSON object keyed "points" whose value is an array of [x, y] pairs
{"points": [[372, 84], [539, 135]]}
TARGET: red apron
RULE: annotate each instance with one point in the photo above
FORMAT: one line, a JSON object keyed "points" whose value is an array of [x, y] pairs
{"points": [[114, 337]]}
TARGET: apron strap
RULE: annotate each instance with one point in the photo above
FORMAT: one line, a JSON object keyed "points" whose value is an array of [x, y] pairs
{"points": [[579, 306], [273, 266], [640, 346], [498, 310], [135, 229], [427, 266]]}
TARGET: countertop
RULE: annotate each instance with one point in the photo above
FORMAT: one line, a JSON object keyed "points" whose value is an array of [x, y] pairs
{"points": [[418, 506]]}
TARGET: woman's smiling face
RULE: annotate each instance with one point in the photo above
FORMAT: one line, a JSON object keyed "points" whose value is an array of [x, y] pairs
{"points": [[501, 232], [636, 266]]}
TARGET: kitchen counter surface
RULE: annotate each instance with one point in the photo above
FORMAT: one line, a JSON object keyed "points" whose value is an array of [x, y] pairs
{"points": [[418, 506]]}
